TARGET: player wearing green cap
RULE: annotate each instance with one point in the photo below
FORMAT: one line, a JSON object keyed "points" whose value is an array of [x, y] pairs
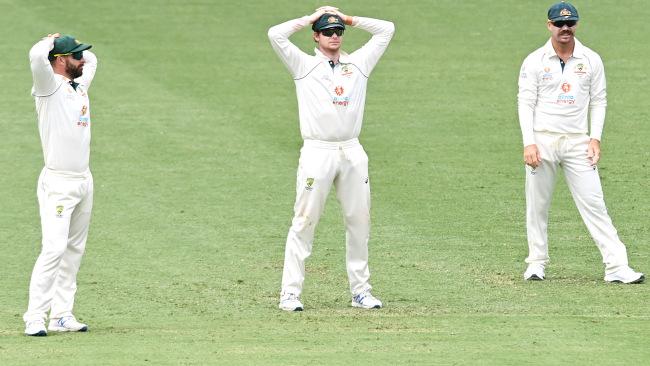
{"points": [[331, 89], [561, 87], [62, 70]]}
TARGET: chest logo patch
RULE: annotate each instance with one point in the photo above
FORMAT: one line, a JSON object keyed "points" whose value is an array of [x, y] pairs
{"points": [[566, 87], [339, 90], [346, 70], [580, 69]]}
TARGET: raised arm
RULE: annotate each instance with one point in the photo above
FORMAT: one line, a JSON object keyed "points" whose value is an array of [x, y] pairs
{"points": [[45, 82], [90, 67], [382, 32], [292, 57]]}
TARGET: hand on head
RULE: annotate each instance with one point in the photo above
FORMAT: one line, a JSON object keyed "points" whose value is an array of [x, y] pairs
{"points": [[326, 10]]}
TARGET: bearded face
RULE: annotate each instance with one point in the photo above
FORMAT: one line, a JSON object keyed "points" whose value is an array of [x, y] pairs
{"points": [[73, 68]]}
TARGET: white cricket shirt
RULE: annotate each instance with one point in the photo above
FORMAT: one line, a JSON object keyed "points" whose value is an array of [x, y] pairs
{"points": [[63, 112], [331, 100], [553, 100]]}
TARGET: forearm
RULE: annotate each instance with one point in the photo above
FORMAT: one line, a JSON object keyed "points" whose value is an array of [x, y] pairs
{"points": [[378, 28], [42, 72], [597, 117], [90, 67], [526, 117], [279, 35]]}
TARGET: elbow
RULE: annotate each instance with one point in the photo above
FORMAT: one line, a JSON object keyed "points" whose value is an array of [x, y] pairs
{"points": [[36, 53], [273, 33], [390, 28]]}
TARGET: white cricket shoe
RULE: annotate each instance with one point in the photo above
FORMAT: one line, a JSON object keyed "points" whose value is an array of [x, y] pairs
{"points": [[625, 275], [290, 302], [365, 300], [534, 272], [66, 324], [35, 328]]}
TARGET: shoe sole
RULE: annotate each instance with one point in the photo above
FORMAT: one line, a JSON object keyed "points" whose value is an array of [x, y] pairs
{"points": [[638, 280], [357, 305], [62, 329], [535, 278], [42, 333], [291, 309]]}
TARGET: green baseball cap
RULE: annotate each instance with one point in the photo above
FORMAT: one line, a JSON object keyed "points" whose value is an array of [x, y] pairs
{"points": [[327, 21], [66, 45], [562, 11]]}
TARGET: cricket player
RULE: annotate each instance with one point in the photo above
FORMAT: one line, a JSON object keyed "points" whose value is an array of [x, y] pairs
{"points": [[561, 85], [331, 89], [62, 69]]}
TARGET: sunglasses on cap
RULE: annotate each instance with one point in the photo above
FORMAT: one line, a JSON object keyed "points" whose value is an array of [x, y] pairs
{"points": [[75, 55], [331, 31], [562, 23]]}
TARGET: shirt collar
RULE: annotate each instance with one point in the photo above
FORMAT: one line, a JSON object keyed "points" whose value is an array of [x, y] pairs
{"points": [[578, 50], [343, 57]]}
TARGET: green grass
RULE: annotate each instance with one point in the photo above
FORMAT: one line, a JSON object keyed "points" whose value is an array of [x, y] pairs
{"points": [[195, 146]]}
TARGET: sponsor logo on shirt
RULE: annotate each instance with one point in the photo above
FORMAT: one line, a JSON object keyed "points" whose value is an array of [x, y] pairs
{"points": [[566, 87], [339, 99], [84, 120], [547, 76], [59, 211], [565, 98]]}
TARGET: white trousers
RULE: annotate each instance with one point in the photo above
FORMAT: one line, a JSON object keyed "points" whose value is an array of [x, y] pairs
{"points": [[569, 151], [344, 164], [65, 206]]}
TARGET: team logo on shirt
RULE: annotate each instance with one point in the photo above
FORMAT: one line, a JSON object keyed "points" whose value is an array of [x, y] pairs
{"points": [[309, 185], [580, 70], [59, 211], [84, 109], [339, 90], [346, 70]]}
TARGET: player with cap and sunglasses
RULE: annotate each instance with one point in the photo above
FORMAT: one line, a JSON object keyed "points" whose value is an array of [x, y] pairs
{"points": [[561, 87], [62, 70], [331, 90]]}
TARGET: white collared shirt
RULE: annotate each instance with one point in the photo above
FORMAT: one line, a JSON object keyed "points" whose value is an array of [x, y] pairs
{"points": [[553, 100], [63, 112], [331, 100]]}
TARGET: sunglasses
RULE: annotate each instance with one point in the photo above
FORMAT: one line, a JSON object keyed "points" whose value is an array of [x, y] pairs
{"points": [[75, 55], [562, 23], [330, 32]]}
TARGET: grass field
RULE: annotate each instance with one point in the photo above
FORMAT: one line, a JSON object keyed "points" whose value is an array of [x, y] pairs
{"points": [[195, 147]]}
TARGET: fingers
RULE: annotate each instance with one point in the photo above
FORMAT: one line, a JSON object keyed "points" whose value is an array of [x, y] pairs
{"points": [[317, 14], [54, 35], [594, 155], [593, 151], [327, 9], [532, 156]]}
